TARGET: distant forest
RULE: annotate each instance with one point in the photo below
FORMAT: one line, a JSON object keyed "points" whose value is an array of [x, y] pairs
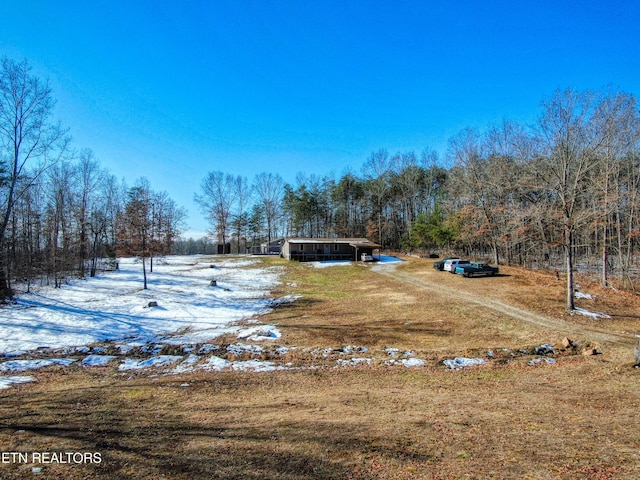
{"points": [[561, 194]]}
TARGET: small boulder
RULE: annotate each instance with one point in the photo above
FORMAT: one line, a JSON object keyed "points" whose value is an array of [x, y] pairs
{"points": [[545, 349], [214, 283], [588, 352], [152, 304], [567, 343]]}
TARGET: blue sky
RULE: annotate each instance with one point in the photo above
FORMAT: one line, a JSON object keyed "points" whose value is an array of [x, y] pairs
{"points": [[173, 89]]}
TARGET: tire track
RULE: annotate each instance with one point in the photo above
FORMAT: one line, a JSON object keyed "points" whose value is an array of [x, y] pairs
{"points": [[559, 325]]}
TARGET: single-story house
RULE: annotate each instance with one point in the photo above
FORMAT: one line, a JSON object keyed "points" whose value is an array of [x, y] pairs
{"points": [[313, 249]]}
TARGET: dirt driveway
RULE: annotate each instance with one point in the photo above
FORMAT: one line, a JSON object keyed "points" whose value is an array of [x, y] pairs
{"points": [[460, 291]]}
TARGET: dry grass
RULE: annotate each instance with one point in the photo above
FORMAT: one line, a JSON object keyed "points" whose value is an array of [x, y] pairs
{"points": [[353, 305], [576, 419]]}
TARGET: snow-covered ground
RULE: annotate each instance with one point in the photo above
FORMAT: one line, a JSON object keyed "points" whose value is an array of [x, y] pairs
{"points": [[112, 320], [114, 306]]}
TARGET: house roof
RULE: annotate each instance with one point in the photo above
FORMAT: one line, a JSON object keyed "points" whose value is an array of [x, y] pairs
{"points": [[275, 242], [354, 242]]}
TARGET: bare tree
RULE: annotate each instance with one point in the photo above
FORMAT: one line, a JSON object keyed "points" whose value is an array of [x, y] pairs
{"points": [[408, 177], [106, 202], [483, 197], [136, 223], [59, 219], [569, 158], [616, 120], [90, 176], [433, 179], [242, 193], [113, 194], [167, 220], [629, 210], [27, 235], [216, 200], [269, 190], [26, 136]]}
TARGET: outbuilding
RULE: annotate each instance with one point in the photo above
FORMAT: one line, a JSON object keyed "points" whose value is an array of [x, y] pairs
{"points": [[316, 249], [274, 247]]}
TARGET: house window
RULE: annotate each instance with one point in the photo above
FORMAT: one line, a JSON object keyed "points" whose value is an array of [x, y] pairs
{"points": [[336, 247]]}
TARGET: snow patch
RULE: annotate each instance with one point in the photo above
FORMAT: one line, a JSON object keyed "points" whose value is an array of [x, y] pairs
{"points": [[187, 365], [538, 361], [8, 382], [239, 349], [208, 348], [255, 365], [285, 300], [124, 349], [282, 350], [259, 333], [15, 353], [586, 296], [586, 313], [354, 362], [24, 365], [412, 362], [330, 263], [159, 361], [216, 364], [152, 349], [462, 362], [97, 360], [354, 349]]}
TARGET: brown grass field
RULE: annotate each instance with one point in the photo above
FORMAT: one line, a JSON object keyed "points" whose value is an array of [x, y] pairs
{"points": [[574, 419]]}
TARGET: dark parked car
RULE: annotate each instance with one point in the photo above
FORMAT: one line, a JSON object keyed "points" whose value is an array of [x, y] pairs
{"points": [[476, 268], [440, 265]]}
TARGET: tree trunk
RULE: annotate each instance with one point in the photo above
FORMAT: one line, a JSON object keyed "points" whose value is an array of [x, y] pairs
{"points": [[144, 263], [5, 289], [94, 256], [569, 260], [605, 259], [144, 271], [605, 279]]}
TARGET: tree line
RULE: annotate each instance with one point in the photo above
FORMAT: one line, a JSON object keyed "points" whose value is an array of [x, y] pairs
{"points": [[61, 213], [560, 194]]}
